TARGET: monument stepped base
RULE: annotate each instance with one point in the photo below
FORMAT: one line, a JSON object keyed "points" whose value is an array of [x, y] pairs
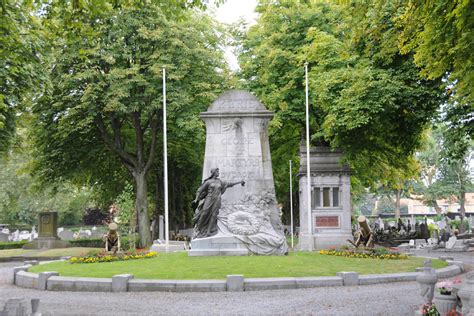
{"points": [[219, 245], [46, 243]]}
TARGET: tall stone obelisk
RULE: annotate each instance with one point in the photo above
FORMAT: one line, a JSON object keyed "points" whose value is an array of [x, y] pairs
{"points": [[237, 143]]}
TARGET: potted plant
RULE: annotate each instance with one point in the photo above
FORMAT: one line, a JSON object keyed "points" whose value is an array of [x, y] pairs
{"points": [[429, 310], [445, 297]]}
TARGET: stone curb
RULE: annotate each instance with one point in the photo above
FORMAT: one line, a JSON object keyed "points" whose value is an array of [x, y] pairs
{"points": [[126, 283]]}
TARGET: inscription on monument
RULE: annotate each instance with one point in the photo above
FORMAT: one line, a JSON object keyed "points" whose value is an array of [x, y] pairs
{"points": [[327, 221]]}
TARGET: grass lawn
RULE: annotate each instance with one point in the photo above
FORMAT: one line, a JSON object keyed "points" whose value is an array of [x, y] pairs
{"points": [[180, 266], [59, 252], [12, 252]]}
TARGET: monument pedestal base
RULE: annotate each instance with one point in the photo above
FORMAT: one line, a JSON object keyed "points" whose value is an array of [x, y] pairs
{"points": [[218, 245], [46, 243], [172, 246], [331, 240], [324, 240]]}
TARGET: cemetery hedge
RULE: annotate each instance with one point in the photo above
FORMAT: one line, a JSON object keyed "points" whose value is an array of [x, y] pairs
{"points": [[12, 245], [87, 242]]}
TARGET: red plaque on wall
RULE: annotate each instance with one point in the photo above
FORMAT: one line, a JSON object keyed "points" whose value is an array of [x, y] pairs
{"points": [[327, 221]]}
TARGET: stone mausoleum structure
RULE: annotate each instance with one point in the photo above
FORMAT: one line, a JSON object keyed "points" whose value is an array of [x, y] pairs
{"points": [[330, 200], [237, 143]]}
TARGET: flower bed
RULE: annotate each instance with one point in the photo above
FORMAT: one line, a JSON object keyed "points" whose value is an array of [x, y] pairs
{"points": [[374, 253], [105, 257]]}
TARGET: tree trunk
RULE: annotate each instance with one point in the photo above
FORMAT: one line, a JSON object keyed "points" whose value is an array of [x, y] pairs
{"points": [[437, 208], [397, 203], [141, 208], [462, 210]]}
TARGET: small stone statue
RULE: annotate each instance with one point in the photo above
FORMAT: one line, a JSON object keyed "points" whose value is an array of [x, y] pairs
{"points": [[208, 204], [427, 281], [112, 239]]}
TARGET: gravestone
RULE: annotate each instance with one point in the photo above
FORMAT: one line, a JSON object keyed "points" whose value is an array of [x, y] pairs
{"points": [[47, 234], [3, 237], [66, 234], [451, 242], [237, 143]]}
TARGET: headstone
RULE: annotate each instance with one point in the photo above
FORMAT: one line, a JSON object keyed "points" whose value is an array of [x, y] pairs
{"points": [[66, 235], [15, 236], [451, 242], [237, 143], [3, 237], [96, 233]]}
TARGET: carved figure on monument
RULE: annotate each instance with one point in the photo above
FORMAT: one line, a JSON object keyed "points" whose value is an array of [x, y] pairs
{"points": [[245, 221], [208, 204]]}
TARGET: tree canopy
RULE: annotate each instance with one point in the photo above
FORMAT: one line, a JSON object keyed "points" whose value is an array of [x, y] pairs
{"points": [[105, 97], [365, 99]]}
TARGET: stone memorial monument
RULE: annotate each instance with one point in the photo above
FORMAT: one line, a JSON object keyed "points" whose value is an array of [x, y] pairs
{"points": [[47, 235], [237, 152], [330, 200]]}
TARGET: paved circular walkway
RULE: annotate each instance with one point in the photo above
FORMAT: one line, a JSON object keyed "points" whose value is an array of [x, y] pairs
{"points": [[381, 299]]}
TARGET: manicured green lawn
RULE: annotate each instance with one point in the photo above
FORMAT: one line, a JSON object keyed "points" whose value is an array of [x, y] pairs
{"points": [[73, 251], [180, 266], [12, 252]]}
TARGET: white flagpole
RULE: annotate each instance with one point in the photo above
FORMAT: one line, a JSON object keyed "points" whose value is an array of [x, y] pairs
{"points": [[308, 169], [165, 161], [291, 206]]}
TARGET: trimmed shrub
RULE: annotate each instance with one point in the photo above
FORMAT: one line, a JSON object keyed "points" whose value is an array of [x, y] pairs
{"points": [[12, 245], [88, 242]]}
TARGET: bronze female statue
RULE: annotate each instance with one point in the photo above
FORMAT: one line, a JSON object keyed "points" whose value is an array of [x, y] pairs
{"points": [[208, 203]]}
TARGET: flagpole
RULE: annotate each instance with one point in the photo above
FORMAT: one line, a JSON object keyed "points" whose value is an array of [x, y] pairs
{"points": [[291, 206], [308, 163], [165, 161]]}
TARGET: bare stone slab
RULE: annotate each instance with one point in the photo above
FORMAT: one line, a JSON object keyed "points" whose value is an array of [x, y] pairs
{"points": [[200, 286], [256, 284], [349, 278], [310, 282], [18, 269], [448, 271], [58, 283], [387, 278], [460, 264], [26, 279], [120, 282], [30, 262], [235, 283], [93, 285], [43, 279], [139, 285]]}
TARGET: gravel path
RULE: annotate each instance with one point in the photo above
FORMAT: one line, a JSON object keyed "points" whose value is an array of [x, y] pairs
{"points": [[381, 299]]}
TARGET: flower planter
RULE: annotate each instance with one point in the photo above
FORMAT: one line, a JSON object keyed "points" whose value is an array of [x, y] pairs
{"points": [[445, 303]]}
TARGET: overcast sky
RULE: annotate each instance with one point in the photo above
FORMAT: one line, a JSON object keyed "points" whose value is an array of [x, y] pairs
{"points": [[230, 12]]}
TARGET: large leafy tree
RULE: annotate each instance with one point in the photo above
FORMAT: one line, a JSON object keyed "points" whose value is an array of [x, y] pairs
{"points": [[22, 48], [105, 93], [365, 99]]}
